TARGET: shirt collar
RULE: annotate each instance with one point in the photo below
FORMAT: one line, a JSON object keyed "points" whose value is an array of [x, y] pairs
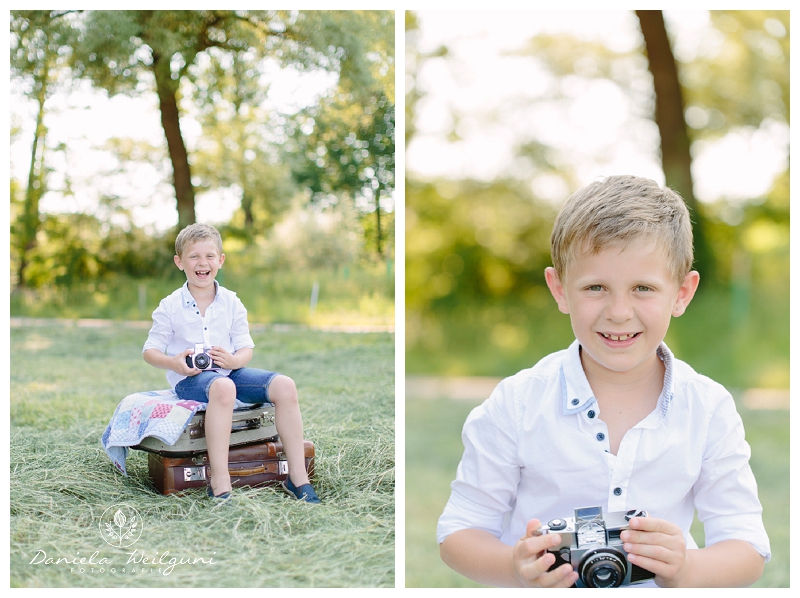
{"points": [[186, 297], [577, 394]]}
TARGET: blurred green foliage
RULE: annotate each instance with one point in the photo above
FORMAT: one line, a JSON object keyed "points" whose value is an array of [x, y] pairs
{"points": [[477, 303], [476, 299]]}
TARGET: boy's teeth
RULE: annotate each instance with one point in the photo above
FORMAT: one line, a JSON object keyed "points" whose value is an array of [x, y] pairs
{"points": [[614, 337]]}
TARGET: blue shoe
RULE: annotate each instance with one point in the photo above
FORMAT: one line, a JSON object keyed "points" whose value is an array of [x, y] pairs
{"points": [[218, 497], [304, 492]]}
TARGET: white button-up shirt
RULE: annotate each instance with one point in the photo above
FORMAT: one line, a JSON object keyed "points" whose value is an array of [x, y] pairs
{"points": [[178, 325], [537, 448]]}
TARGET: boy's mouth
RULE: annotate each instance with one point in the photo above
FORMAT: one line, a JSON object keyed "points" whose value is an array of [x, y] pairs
{"points": [[619, 337], [202, 273]]}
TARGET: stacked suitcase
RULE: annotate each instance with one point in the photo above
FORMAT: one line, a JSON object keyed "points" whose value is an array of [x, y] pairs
{"points": [[255, 456]]}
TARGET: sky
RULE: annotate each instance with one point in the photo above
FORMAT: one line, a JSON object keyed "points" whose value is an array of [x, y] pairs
{"points": [[493, 93]]}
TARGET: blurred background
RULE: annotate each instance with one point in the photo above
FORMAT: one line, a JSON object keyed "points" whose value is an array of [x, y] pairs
{"points": [[275, 126], [507, 114]]}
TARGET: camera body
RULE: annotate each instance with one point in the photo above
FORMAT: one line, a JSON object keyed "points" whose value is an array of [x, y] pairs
{"points": [[200, 359], [590, 542]]}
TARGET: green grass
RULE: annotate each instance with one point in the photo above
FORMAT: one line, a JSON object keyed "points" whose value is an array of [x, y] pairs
{"points": [[65, 384], [433, 450], [347, 296]]}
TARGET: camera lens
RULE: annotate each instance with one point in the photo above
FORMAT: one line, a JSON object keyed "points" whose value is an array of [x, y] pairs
{"points": [[602, 568], [201, 361]]}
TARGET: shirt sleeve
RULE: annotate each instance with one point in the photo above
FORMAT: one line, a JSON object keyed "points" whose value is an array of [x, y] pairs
{"points": [[240, 330], [161, 332], [726, 494], [486, 483]]}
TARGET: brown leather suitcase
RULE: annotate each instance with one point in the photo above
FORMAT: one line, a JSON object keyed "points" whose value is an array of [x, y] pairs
{"points": [[256, 464]]}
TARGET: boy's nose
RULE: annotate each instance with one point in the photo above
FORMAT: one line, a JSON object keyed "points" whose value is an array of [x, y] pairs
{"points": [[619, 309]]}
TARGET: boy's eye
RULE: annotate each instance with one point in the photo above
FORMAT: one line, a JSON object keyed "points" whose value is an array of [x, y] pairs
{"points": [[642, 288], [594, 287]]}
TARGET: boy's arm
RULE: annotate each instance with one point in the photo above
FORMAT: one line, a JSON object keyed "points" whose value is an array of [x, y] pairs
{"points": [[482, 557], [659, 546], [176, 363]]}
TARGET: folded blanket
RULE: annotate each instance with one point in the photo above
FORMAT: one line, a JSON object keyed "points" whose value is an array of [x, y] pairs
{"points": [[158, 413]]}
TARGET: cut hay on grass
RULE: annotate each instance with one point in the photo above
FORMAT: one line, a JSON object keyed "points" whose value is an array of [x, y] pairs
{"points": [[62, 481]]}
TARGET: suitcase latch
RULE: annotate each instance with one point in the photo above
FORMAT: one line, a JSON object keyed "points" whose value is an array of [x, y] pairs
{"points": [[194, 474], [283, 467]]}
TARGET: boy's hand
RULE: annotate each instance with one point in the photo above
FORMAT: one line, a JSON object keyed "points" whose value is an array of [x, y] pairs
{"points": [[531, 562], [223, 358], [180, 364], [658, 546]]}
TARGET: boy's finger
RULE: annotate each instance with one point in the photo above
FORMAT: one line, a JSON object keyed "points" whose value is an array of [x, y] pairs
{"points": [[652, 524], [538, 544], [530, 529]]}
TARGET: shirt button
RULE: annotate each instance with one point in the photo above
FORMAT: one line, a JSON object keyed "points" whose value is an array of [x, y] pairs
{"points": [[601, 436], [197, 312], [575, 401], [590, 414], [617, 491]]}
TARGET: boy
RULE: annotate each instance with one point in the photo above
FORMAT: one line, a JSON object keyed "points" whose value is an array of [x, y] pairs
{"points": [[614, 420], [204, 312]]}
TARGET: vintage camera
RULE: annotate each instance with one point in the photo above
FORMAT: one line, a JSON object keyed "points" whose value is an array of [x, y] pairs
{"points": [[590, 542], [200, 359]]}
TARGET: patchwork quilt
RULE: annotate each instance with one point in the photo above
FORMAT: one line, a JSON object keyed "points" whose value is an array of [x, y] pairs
{"points": [[158, 413]]}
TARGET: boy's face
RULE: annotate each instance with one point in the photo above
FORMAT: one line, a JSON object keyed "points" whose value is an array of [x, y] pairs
{"points": [[200, 260], [620, 304]]}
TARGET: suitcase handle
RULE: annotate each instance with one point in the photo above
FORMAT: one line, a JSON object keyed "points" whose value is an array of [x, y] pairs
{"points": [[248, 471], [248, 424]]}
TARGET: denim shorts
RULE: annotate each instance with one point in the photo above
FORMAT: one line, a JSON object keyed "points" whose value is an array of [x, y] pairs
{"points": [[252, 385]]}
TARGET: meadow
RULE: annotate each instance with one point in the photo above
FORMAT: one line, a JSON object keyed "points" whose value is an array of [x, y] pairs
{"points": [[66, 381], [349, 295]]}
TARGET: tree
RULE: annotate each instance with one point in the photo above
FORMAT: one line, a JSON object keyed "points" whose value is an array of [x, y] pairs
{"points": [[346, 143], [134, 51], [40, 48], [676, 157], [349, 149], [241, 145]]}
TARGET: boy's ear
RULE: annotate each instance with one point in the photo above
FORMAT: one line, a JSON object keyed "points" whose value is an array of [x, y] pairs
{"points": [[685, 293], [177, 259], [557, 289]]}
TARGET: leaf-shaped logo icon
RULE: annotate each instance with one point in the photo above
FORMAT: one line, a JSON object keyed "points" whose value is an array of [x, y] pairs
{"points": [[121, 525], [119, 518]]}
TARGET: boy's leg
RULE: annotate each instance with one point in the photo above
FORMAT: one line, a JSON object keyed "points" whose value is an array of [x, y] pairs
{"points": [[289, 422], [219, 414]]}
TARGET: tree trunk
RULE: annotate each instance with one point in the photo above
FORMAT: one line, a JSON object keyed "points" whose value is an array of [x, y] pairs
{"points": [[30, 214], [676, 158], [170, 121], [378, 220]]}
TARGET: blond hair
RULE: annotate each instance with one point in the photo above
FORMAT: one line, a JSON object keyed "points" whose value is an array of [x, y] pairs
{"points": [[616, 211], [194, 233]]}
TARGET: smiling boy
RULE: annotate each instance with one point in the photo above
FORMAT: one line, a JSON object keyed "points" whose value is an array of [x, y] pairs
{"points": [[614, 420], [203, 312]]}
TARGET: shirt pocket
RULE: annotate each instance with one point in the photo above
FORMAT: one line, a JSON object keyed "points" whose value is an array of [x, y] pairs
{"points": [[189, 326]]}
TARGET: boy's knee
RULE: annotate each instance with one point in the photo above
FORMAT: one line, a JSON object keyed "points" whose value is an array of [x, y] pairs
{"points": [[282, 389], [224, 390]]}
